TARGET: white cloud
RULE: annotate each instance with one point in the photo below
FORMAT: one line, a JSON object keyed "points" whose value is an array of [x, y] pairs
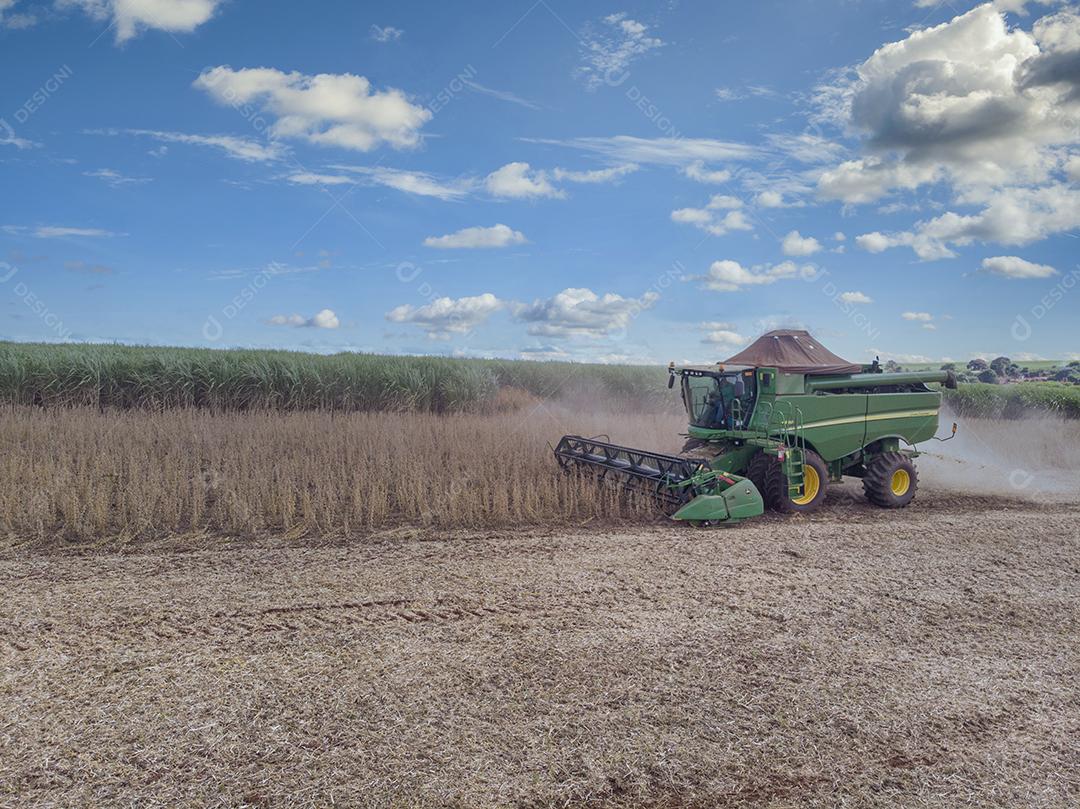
{"points": [[729, 276], [17, 20], [478, 237], [57, 232], [246, 149], [609, 50], [328, 109], [795, 244], [806, 148], [697, 171], [313, 178], [502, 95], [770, 199], [855, 297], [839, 236], [387, 34], [1016, 267], [115, 178], [130, 17], [323, 319], [519, 181], [582, 313], [657, 151], [445, 317], [412, 182], [724, 202], [875, 242], [921, 317], [595, 176], [1012, 216], [722, 335], [708, 221], [973, 102]]}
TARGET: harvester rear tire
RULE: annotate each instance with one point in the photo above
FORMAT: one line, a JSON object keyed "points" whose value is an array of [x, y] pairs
{"points": [[890, 480], [776, 486]]}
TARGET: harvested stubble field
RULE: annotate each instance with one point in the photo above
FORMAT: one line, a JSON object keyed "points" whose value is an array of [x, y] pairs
{"points": [[854, 657], [848, 659]]}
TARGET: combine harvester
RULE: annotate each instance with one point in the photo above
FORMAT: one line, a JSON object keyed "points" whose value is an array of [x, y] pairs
{"points": [[776, 424]]}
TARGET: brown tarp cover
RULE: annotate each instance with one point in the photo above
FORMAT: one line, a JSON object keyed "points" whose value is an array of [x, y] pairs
{"points": [[794, 351]]}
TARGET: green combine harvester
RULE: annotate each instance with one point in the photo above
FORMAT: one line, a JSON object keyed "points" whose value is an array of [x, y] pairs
{"points": [[774, 426]]}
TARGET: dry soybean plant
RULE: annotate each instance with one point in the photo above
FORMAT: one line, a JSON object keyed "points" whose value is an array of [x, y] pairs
{"points": [[81, 474]]}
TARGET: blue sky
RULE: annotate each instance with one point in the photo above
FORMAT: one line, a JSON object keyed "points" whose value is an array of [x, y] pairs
{"points": [[555, 180]]}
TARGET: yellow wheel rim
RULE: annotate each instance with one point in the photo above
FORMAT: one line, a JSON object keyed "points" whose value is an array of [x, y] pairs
{"points": [[900, 483], [811, 486]]}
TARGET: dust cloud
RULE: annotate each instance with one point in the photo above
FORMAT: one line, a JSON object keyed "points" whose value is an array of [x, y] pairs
{"points": [[1036, 458]]}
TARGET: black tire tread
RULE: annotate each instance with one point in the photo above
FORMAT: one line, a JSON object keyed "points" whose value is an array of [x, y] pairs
{"points": [[877, 480], [775, 490]]}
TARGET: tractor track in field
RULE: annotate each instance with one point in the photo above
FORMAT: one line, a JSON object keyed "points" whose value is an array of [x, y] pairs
{"points": [[223, 628]]}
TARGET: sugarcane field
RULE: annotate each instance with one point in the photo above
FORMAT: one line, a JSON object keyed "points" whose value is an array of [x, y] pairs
{"points": [[535, 404]]}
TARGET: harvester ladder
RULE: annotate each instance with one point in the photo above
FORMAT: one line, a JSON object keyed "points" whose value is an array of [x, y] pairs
{"points": [[789, 429]]}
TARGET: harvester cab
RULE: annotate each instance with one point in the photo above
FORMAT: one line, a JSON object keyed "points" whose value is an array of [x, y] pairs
{"points": [[774, 426]]}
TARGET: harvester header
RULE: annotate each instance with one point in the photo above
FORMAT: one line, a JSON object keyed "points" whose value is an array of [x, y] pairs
{"points": [[774, 426]]}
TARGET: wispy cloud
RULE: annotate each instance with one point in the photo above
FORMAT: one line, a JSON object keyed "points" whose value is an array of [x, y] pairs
{"points": [[115, 178], [609, 48], [502, 95], [56, 232], [657, 151], [245, 149], [386, 33]]}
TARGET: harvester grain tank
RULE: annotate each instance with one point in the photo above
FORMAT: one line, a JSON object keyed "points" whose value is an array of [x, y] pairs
{"points": [[774, 426]]}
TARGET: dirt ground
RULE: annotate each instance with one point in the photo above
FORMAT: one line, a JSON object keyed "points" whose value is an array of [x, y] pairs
{"points": [[851, 658]]}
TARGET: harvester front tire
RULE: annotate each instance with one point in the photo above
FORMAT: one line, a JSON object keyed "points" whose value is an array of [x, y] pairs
{"points": [[815, 473], [758, 470], [890, 480]]}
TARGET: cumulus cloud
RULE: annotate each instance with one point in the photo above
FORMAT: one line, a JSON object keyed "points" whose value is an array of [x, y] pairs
{"points": [[730, 276], [444, 317], [712, 222], [323, 319], [579, 312], [245, 149], [972, 102], [770, 199], [1012, 216], [387, 34], [608, 50], [698, 172], [1016, 267], [921, 317], [130, 17], [723, 336], [795, 244], [327, 109], [519, 181], [855, 297], [478, 237]]}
